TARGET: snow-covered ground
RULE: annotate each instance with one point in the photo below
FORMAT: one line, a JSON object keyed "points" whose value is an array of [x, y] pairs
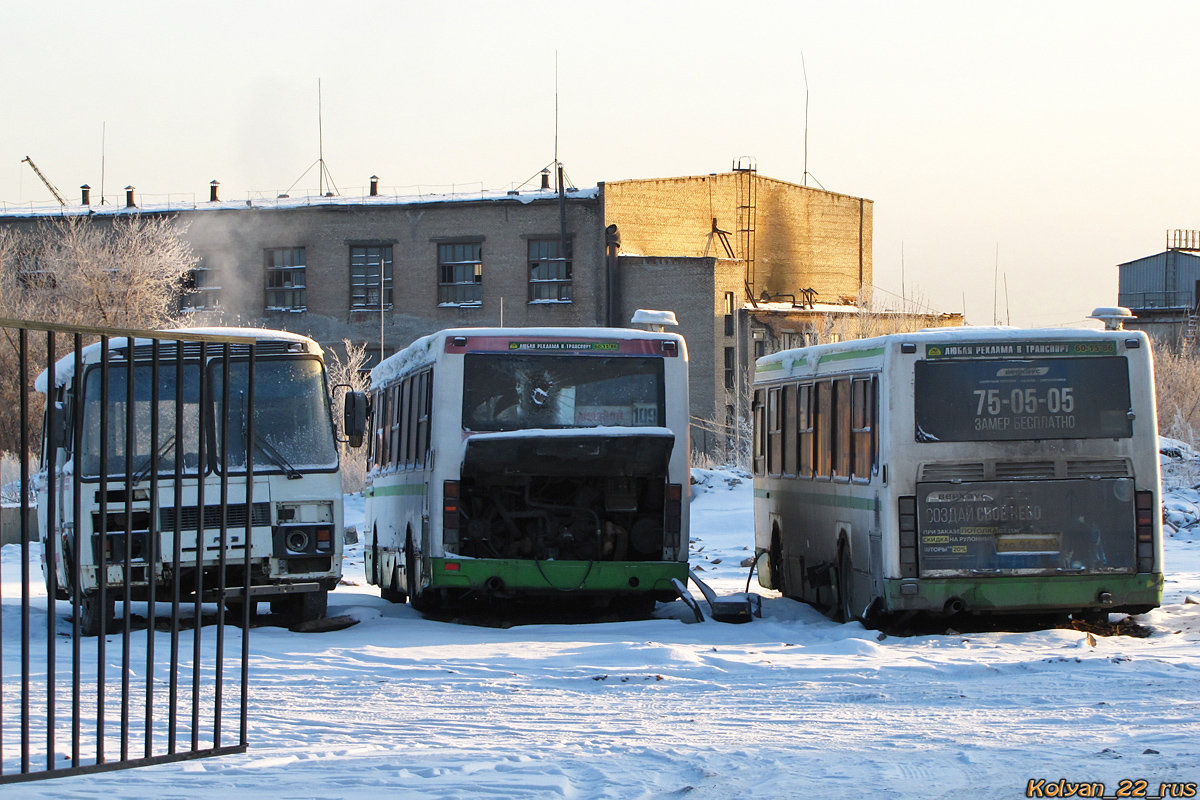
{"points": [[790, 705]]}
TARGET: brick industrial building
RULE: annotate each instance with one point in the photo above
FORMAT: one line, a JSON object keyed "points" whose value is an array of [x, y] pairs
{"points": [[740, 258]]}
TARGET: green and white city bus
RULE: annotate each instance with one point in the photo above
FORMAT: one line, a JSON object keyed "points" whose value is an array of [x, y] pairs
{"points": [[512, 462], [980, 470]]}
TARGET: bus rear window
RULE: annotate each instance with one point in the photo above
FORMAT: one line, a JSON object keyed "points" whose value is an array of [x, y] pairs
{"points": [[504, 392], [1061, 398]]}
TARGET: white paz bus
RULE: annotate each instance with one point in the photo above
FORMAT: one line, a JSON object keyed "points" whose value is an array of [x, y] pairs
{"points": [[512, 462], [151, 500], [979, 470]]}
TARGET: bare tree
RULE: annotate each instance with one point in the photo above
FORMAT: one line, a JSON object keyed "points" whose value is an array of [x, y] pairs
{"points": [[123, 273]]}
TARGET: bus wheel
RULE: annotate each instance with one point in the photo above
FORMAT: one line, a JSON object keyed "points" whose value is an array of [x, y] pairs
{"points": [[775, 557], [93, 618], [420, 602], [844, 580]]}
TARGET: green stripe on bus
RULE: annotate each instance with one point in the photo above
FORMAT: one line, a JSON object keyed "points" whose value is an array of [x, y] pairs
{"points": [[1025, 592], [769, 367], [558, 576], [401, 489], [850, 354]]}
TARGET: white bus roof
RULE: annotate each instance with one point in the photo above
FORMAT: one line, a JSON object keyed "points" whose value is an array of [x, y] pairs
{"points": [[787, 359], [64, 368], [425, 350]]}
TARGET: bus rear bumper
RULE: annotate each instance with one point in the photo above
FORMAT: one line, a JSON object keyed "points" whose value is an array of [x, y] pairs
{"points": [[521, 576], [1131, 594]]}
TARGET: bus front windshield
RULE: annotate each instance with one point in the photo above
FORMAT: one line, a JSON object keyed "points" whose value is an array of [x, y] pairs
{"points": [[292, 427], [504, 392]]}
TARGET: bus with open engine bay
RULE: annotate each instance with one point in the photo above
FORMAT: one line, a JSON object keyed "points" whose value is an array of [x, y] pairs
{"points": [[521, 462], [978, 470]]}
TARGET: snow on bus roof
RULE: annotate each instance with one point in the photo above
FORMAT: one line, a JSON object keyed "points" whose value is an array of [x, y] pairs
{"points": [[424, 350], [64, 368], [999, 333]]}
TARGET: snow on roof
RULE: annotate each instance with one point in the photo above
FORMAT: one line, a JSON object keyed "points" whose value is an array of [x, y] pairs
{"points": [[425, 350], [64, 368], [284, 202], [989, 333]]}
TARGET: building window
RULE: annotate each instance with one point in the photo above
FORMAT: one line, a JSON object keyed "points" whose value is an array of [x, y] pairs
{"points": [[549, 272], [201, 289], [729, 309], [460, 274], [729, 367], [365, 283], [285, 278]]}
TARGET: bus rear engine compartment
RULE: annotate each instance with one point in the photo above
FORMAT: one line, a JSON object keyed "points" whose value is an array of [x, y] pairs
{"points": [[580, 497]]}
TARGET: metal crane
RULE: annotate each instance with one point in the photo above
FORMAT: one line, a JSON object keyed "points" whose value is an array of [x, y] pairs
{"points": [[57, 195]]}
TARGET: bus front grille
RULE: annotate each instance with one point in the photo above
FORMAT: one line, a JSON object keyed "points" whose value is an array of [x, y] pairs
{"points": [[235, 516]]}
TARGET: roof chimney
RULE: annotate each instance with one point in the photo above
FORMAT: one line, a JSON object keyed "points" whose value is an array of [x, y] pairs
{"points": [[129, 197], [545, 179], [374, 186], [87, 194], [212, 191]]}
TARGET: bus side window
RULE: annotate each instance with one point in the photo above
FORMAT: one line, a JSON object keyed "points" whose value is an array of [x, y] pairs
{"points": [[394, 422], [760, 433], [422, 405], [788, 398], [841, 425], [404, 410], [410, 423], [775, 431], [862, 428], [378, 422], [822, 424], [804, 425]]}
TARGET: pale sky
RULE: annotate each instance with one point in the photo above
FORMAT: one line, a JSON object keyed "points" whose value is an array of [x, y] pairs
{"points": [[1062, 135]]}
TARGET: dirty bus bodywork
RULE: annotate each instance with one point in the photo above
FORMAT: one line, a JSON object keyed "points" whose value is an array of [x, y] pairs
{"points": [[515, 462], [975, 470], [144, 503]]}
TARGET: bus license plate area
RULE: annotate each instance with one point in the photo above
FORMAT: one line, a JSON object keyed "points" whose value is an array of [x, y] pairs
{"points": [[1050, 527]]}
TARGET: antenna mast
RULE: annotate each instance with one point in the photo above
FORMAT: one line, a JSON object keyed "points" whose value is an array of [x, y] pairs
{"points": [[805, 71]]}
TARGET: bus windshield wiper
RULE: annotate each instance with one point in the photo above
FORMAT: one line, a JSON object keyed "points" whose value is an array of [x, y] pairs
{"points": [[277, 457], [265, 446], [141, 474]]}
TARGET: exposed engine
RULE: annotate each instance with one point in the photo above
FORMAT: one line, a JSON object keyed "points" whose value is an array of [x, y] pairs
{"points": [[569, 518]]}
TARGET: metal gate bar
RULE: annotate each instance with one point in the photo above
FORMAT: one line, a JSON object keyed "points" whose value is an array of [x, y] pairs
{"points": [[43, 699]]}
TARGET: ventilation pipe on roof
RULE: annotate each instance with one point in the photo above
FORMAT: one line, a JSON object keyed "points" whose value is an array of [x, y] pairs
{"points": [[87, 194], [129, 197], [374, 186], [212, 191], [546, 179]]}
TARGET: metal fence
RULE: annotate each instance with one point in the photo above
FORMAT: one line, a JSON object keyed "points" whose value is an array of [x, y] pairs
{"points": [[117, 557]]}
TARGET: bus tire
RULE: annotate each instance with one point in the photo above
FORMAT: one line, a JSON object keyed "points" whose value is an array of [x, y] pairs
{"points": [[420, 601], [845, 580], [92, 617], [775, 558]]}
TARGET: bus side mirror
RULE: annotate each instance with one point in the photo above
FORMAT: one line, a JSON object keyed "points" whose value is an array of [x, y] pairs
{"points": [[355, 417]]}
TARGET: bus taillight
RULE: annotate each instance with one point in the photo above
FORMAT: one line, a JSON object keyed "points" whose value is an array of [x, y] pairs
{"points": [[1143, 503], [908, 536], [450, 505], [674, 514]]}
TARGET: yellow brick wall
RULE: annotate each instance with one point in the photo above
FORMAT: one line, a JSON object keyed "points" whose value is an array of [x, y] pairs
{"points": [[804, 237]]}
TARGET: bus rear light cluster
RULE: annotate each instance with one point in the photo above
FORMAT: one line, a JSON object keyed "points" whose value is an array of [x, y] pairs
{"points": [[449, 505], [1143, 503], [908, 536], [674, 514]]}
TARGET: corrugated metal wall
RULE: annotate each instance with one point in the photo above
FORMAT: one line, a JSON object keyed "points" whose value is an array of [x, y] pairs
{"points": [[1165, 280]]}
